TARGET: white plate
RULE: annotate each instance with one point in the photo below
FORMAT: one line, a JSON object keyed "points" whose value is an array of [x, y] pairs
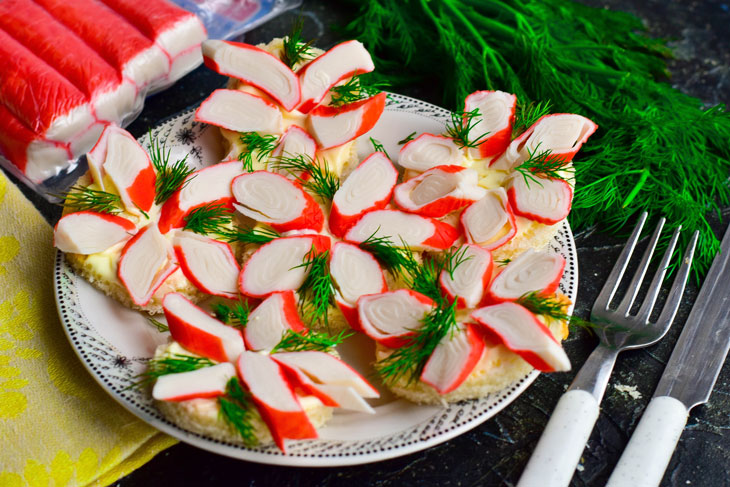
{"points": [[114, 342]]}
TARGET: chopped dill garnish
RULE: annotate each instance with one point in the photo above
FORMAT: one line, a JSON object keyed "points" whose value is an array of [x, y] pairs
{"points": [[396, 260], [527, 114], [173, 364], [502, 262], [408, 138], [235, 409], [170, 178], [378, 147], [317, 292], [161, 327], [541, 164], [294, 341], [355, 89], [261, 145], [321, 182], [248, 235], [208, 219], [424, 276], [236, 316], [461, 126], [294, 49], [86, 199], [144, 213]]}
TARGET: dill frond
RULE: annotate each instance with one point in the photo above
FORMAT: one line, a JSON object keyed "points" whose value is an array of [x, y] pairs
{"points": [[502, 262], [461, 126], [542, 165], [396, 260], [235, 408], [161, 327], [378, 147], [173, 364], [294, 49], [408, 138], [294, 341], [260, 146], [317, 292], [236, 316], [355, 89], [527, 114], [170, 178], [82, 198], [321, 182], [209, 219], [248, 235]]}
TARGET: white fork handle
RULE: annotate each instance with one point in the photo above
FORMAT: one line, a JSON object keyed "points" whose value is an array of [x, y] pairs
{"points": [[557, 453], [650, 448]]}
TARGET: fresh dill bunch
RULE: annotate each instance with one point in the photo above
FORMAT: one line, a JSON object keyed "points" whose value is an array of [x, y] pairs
{"points": [[294, 49], [317, 292], [236, 409], [407, 138], [236, 316], [461, 126], [170, 178], [527, 114], [247, 235], [293, 341], [408, 361], [396, 260], [541, 164], [208, 219], [378, 147], [82, 198], [355, 89], [161, 327], [173, 364], [321, 182], [262, 145]]}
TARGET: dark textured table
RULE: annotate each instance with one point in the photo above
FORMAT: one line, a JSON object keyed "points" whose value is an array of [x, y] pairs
{"points": [[496, 452]]}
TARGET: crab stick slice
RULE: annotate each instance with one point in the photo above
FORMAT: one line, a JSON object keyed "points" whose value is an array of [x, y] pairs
{"points": [[355, 273], [199, 332], [256, 67], [269, 322], [520, 331], [544, 200], [211, 184], [202, 383], [277, 201], [391, 318], [496, 117], [415, 231], [88, 232], [489, 222], [342, 61], [240, 111], [209, 264], [439, 191], [369, 187], [334, 126], [563, 134], [147, 259], [274, 398], [295, 142], [467, 282], [428, 151], [453, 359], [277, 265], [531, 271]]}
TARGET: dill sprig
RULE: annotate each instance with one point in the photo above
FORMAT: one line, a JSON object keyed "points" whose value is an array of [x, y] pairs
{"points": [[527, 114], [396, 260], [321, 182], [261, 145], [317, 292], [173, 364], [542, 164], [247, 235], [355, 89], [208, 219], [502, 262], [407, 138], [378, 147], [236, 316], [293, 341], [161, 327], [170, 178], [461, 126], [555, 308], [294, 49], [424, 276], [236, 409], [82, 198]]}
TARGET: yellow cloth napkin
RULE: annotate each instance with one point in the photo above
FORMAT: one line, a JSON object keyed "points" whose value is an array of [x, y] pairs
{"points": [[57, 426]]}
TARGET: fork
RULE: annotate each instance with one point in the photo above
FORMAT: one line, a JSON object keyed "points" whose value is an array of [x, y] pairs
{"points": [[557, 453]]}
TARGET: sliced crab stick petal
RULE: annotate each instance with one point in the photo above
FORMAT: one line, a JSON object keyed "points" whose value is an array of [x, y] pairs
{"points": [[355, 273], [277, 201], [209, 264], [563, 134], [300, 380], [269, 322], [367, 188], [296, 141], [427, 151], [415, 231], [489, 222], [467, 282], [211, 184], [256, 67], [390, 318], [439, 191], [531, 271], [544, 200], [206, 382], [324, 368], [495, 119], [453, 359], [342, 61], [146, 261], [274, 398], [88, 232], [199, 332], [277, 265], [239, 111], [334, 126], [520, 331]]}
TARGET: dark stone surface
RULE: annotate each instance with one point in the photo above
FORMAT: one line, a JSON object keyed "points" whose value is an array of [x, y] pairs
{"points": [[495, 453]]}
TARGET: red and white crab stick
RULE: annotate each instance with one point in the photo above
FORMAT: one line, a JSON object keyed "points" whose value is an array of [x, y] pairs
{"points": [[439, 191], [520, 331], [274, 398], [209, 264], [544, 200], [427, 151], [199, 332], [369, 187], [334, 126], [390, 318], [240, 111], [256, 67], [453, 359], [489, 222], [273, 199], [467, 282], [296, 141], [196, 384], [88, 232], [416, 231], [496, 116], [531, 271], [269, 322]]}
